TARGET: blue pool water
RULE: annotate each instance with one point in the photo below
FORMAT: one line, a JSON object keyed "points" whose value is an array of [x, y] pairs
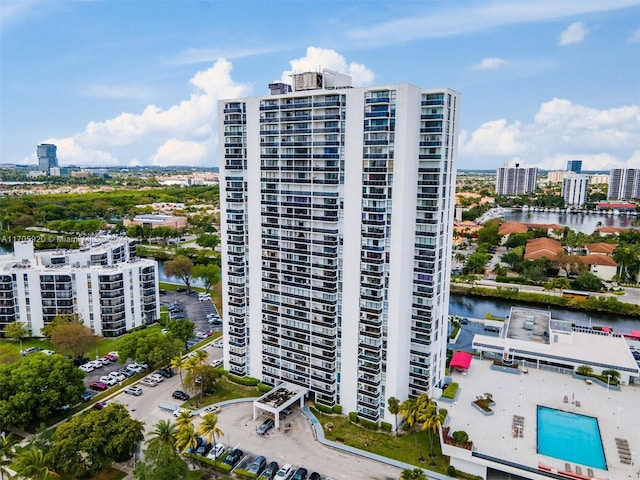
{"points": [[570, 437]]}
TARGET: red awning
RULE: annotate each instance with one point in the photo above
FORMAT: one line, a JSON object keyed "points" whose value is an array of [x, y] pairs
{"points": [[635, 333], [461, 360], [606, 329]]}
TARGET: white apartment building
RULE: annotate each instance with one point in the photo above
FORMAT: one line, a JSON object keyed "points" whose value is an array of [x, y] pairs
{"points": [[574, 189], [624, 184], [516, 180], [104, 282], [337, 221]]}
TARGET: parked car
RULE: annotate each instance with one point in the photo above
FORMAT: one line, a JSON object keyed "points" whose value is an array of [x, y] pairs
{"points": [[104, 361], [47, 352], [301, 474], [199, 442], [265, 426], [29, 350], [133, 390], [108, 380], [113, 354], [111, 357], [99, 405], [180, 395], [96, 363], [126, 372], [86, 368], [258, 465], [284, 472], [218, 344], [100, 386], [156, 377], [211, 409], [270, 471], [315, 476], [216, 363], [179, 411], [148, 382], [118, 376], [216, 451], [86, 396], [203, 449], [233, 457], [287, 411], [166, 372]]}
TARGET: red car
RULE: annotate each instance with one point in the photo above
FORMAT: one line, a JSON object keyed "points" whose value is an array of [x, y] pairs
{"points": [[111, 358], [98, 386]]}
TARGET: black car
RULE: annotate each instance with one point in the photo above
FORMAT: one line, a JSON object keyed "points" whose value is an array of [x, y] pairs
{"points": [[315, 476], [301, 474], [203, 448], [233, 457], [180, 395], [270, 471], [258, 465], [165, 372]]}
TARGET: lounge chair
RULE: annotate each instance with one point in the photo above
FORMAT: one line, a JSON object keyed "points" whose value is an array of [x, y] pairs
{"points": [[590, 472], [577, 403], [578, 470], [566, 399], [567, 467]]}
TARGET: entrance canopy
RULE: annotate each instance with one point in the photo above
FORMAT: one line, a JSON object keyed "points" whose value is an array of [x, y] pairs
{"points": [[278, 399], [461, 360]]}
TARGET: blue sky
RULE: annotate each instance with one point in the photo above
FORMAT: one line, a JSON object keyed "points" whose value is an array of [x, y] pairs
{"points": [[136, 82]]}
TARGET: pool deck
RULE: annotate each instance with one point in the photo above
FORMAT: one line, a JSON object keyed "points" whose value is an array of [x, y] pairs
{"points": [[618, 414]]}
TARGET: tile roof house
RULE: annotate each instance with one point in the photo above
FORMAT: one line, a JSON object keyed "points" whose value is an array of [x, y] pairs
{"points": [[542, 247], [601, 248], [602, 266]]}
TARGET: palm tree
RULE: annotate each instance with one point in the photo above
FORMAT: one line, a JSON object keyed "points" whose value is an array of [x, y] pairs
{"points": [[7, 452], [415, 474], [393, 405], [184, 419], [30, 463], [209, 429], [163, 436], [410, 411], [433, 421], [186, 438], [179, 364]]}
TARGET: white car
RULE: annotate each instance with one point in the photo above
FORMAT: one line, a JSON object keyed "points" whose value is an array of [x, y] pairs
{"points": [[47, 352], [134, 367], [108, 380], [201, 335], [86, 368], [156, 377], [216, 363], [118, 376], [218, 344], [216, 452], [133, 390], [285, 472], [149, 382], [96, 364], [178, 411], [211, 409], [104, 361]]}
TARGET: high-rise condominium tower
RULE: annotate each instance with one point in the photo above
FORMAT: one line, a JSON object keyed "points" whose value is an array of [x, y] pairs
{"points": [[47, 157], [516, 180], [337, 209], [624, 184], [574, 166]]}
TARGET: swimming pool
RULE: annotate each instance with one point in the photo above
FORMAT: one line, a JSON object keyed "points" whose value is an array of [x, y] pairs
{"points": [[570, 437]]}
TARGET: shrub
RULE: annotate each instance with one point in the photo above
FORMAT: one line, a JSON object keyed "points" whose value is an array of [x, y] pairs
{"points": [[387, 427], [368, 424], [263, 387], [584, 370], [323, 408], [244, 474], [353, 417], [451, 471], [461, 437], [337, 409], [246, 381], [450, 391], [444, 412]]}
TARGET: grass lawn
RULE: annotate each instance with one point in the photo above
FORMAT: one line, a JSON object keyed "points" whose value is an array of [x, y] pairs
{"points": [[403, 448], [226, 390]]}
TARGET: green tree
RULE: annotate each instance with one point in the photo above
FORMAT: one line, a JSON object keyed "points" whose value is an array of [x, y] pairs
{"points": [[31, 463], [415, 474], [513, 258], [16, 330], [208, 241], [162, 437], [209, 428], [587, 281], [150, 346], [517, 240], [201, 377], [181, 267], [476, 263], [584, 370], [181, 328], [179, 363], [489, 233], [461, 437], [433, 421], [74, 339], [611, 373], [208, 274], [410, 411], [160, 465], [8, 354], [61, 319], [88, 443], [31, 389], [393, 405], [186, 437]]}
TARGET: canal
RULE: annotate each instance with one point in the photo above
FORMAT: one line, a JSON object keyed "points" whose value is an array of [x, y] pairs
{"points": [[579, 222]]}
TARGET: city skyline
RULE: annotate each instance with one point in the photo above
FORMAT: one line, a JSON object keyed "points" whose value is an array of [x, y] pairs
{"points": [[112, 84]]}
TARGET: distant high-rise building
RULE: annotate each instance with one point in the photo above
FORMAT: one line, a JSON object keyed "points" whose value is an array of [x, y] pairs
{"points": [[556, 176], [574, 189], [515, 180], [574, 166], [337, 212], [624, 184], [47, 158]]}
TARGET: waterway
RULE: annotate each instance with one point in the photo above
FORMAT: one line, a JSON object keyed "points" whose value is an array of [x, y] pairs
{"points": [[579, 222], [163, 277], [478, 307]]}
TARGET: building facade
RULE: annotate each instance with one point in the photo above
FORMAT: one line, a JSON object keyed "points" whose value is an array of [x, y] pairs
{"points": [[516, 180], [104, 282], [47, 158], [574, 166], [574, 189], [337, 212], [624, 184]]}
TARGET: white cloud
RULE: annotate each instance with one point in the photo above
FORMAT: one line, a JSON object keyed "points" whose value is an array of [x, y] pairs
{"points": [[490, 64], [190, 56], [317, 59], [634, 37], [118, 91], [448, 19], [178, 152], [575, 33], [71, 152], [560, 131]]}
